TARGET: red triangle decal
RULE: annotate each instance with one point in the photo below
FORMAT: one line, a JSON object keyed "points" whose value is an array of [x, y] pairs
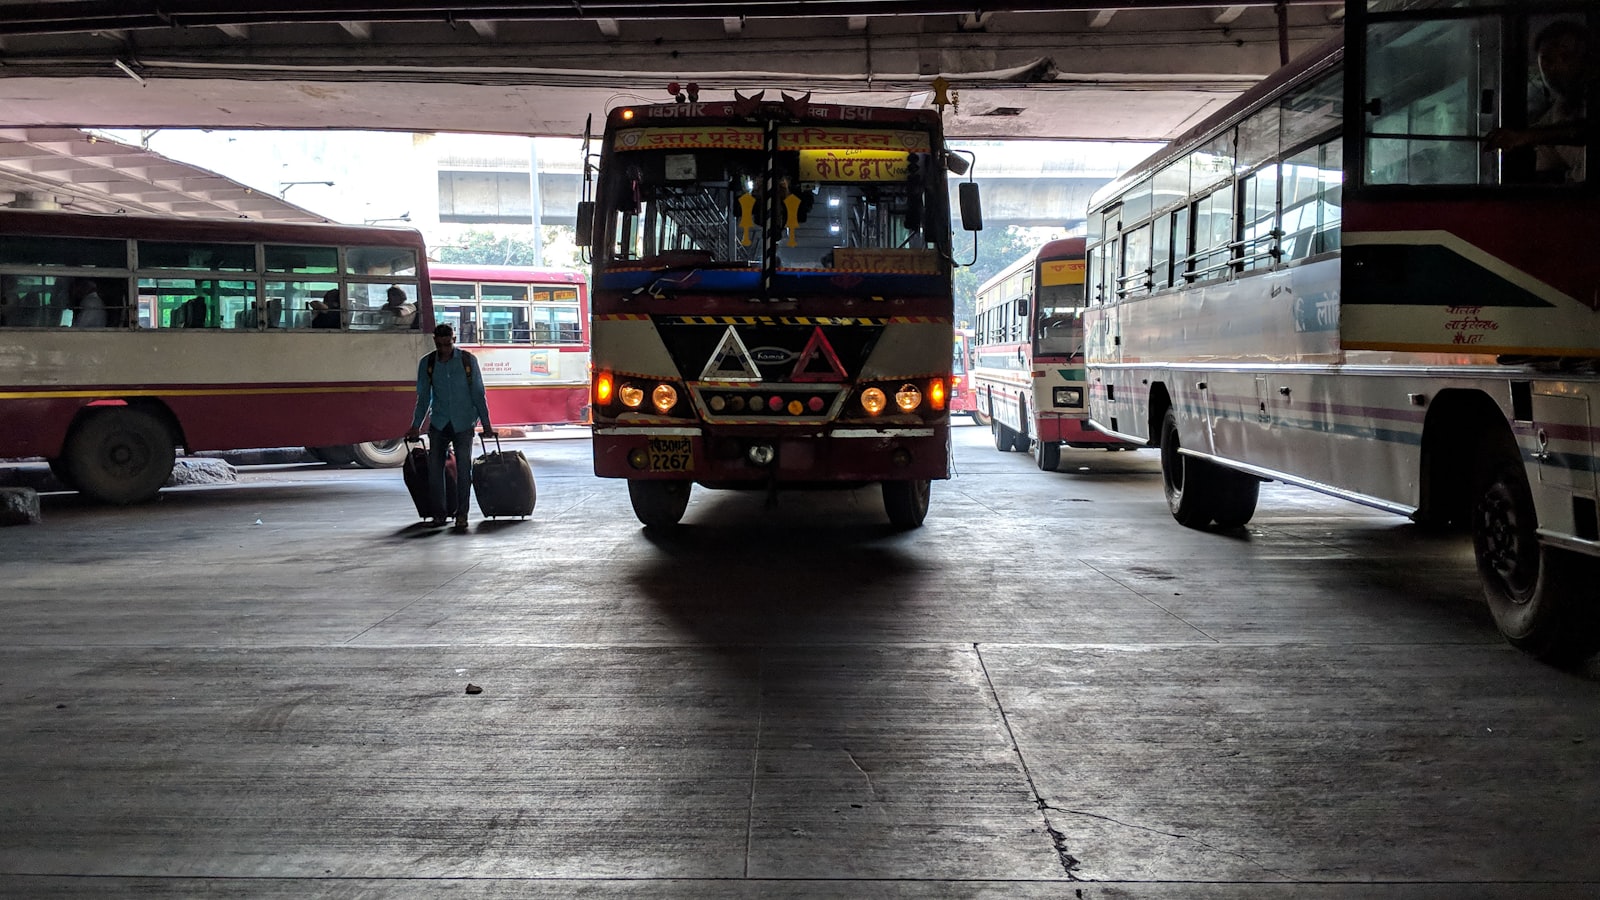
{"points": [[818, 361]]}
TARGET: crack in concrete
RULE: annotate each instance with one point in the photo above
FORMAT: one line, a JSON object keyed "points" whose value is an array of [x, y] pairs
{"points": [[1171, 834], [871, 788]]}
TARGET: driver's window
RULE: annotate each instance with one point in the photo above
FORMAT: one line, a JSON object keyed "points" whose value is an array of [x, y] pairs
{"points": [[1431, 96]]}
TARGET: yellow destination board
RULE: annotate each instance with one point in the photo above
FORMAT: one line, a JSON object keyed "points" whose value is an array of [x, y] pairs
{"points": [[1061, 271], [853, 165]]}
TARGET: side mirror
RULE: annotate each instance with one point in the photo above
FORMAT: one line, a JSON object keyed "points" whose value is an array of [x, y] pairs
{"points": [[971, 207], [585, 222]]}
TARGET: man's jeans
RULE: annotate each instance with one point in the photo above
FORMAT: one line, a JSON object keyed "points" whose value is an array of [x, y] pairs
{"points": [[438, 442]]}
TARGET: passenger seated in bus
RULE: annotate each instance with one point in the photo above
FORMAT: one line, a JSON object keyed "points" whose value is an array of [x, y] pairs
{"points": [[1567, 66], [88, 310], [327, 310], [192, 314], [400, 312]]}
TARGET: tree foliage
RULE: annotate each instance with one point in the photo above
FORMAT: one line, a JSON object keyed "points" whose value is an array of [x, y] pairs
{"points": [[996, 250], [506, 247]]}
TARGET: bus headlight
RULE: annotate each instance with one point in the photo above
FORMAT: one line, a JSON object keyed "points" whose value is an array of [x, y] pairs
{"points": [[602, 389], [908, 398], [665, 397], [630, 396], [873, 401], [1068, 396]]}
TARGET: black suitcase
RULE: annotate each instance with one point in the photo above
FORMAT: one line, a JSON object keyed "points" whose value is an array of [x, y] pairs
{"points": [[502, 482], [415, 472]]}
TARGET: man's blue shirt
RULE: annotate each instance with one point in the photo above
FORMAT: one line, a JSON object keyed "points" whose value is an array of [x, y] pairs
{"points": [[456, 399]]}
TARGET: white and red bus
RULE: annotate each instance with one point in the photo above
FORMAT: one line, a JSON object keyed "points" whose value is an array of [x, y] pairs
{"points": [[125, 337], [529, 330], [1028, 376], [1396, 308], [772, 301]]}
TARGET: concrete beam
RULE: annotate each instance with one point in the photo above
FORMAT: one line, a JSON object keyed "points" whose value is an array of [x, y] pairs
{"points": [[1228, 15], [362, 30], [484, 27]]}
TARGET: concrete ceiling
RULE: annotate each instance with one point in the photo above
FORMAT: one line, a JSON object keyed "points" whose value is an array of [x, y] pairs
{"points": [[64, 168], [1138, 70]]}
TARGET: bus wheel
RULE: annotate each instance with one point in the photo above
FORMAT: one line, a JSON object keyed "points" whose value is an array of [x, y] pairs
{"points": [[379, 454], [1534, 590], [906, 502], [1187, 481], [659, 504], [1237, 494], [120, 455], [978, 418], [1048, 455], [1005, 440]]}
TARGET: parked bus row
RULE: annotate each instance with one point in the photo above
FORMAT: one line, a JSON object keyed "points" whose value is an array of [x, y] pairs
{"points": [[123, 338]]}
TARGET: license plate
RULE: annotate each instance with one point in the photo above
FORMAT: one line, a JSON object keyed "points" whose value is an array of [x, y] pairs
{"points": [[670, 455]]}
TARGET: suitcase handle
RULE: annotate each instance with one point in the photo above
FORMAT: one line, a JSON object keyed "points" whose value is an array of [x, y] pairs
{"points": [[485, 438]]}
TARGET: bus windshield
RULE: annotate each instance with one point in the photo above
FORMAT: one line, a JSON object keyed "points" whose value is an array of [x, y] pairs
{"points": [[840, 199], [1060, 330]]}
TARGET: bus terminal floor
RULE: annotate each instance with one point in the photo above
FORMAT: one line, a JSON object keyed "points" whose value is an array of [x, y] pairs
{"points": [[1050, 690]]}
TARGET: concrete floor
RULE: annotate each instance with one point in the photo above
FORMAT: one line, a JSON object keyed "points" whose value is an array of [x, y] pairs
{"points": [[1050, 690]]}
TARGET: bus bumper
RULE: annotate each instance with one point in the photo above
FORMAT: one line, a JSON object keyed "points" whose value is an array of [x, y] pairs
{"points": [[1072, 431], [723, 456]]}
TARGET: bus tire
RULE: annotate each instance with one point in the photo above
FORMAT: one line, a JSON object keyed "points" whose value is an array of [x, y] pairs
{"points": [[1535, 591], [379, 454], [1048, 455], [1237, 495], [978, 418], [1005, 440], [1186, 480], [906, 502], [120, 455], [659, 504]]}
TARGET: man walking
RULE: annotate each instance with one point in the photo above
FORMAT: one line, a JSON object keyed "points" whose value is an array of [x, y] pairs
{"points": [[450, 395]]}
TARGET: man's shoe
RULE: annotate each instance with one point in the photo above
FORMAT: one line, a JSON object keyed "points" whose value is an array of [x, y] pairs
{"points": [[461, 523], [436, 522]]}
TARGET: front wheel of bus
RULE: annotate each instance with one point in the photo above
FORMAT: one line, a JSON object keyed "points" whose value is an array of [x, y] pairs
{"points": [[379, 454], [1048, 454], [120, 455], [906, 502], [1533, 589], [1185, 479], [659, 504], [62, 473], [978, 418]]}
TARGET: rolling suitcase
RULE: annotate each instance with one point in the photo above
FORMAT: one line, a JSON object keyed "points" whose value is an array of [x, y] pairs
{"points": [[502, 482], [415, 472]]}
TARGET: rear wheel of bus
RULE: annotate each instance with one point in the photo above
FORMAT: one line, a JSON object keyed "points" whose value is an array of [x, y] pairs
{"points": [[906, 502], [120, 455], [379, 454], [659, 504], [1536, 592]]}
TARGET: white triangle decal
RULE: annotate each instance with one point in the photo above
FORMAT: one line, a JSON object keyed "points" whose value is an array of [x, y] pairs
{"points": [[730, 361]]}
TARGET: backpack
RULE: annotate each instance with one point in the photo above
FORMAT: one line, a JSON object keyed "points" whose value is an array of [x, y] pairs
{"points": [[466, 365]]}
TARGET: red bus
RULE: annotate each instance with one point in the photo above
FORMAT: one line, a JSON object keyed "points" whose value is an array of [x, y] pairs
{"points": [[1028, 375], [527, 328], [125, 337], [772, 301], [963, 399]]}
